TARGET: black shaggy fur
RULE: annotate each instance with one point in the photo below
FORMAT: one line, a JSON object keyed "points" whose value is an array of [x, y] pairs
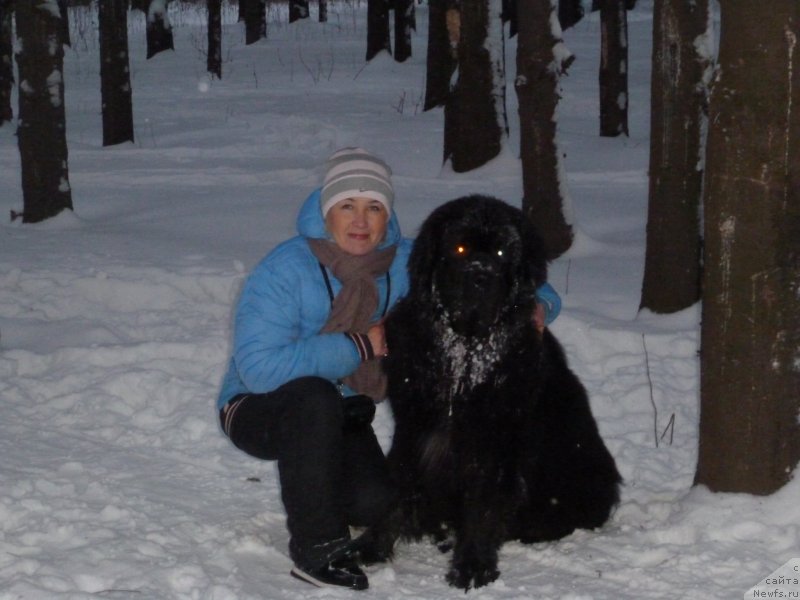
{"points": [[494, 438]]}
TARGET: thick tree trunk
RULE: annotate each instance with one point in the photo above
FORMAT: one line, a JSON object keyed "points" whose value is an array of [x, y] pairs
{"points": [[323, 11], [158, 28], [613, 68], [677, 100], [41, 134], [378, 38], [404, 23], [115, 80], [442, 51], [6, 66], [214, 58], [538, 71], [475, 117], [749, 430], [255, 20]]}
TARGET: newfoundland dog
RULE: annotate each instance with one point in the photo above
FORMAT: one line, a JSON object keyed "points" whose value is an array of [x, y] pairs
{"points": [[494, 438]]}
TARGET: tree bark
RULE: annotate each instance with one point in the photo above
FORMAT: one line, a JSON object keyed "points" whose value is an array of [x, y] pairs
{"points": [[41, 133], [538, 72], [441, 57], [475, 117], [404, 23], [6, 66], [323, 11], [115, 79], [749, 430], [298, 9], [613, 68], [255, 20], [158, 28], [677, 116], [214, 58], [378, 38]]}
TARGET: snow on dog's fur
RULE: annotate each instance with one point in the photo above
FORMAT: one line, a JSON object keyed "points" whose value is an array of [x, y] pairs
{"points": [[494, 438]]}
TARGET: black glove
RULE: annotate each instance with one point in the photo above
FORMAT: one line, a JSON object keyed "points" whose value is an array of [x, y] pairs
{"points": [[358, 410]]}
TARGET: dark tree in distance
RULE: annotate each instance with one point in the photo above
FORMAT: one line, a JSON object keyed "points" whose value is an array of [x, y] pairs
{"points": [[158, 28], [255, 20], [298, 9], [323, 11], [613, 68], [214, 57], [41, 133], [62, 10], [750, 334], [475, 118], [404, 24], [536, 84], [378, 38], [444, 30], [115, 77], [678, 98], [6, 65]]}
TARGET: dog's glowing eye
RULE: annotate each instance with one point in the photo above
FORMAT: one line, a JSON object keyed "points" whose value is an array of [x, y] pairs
{"points": [[499, 253], [461, 250]]}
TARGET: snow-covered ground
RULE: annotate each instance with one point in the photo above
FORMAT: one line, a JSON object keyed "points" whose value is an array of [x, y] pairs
{"points": [[115, 481]]}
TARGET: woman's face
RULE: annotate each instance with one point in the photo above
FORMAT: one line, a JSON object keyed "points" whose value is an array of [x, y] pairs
{"points": [[357, 225]]}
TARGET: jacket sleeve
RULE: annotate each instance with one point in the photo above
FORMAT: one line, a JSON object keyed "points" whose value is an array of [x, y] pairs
{"points": [[550, 300], [268, 347]]}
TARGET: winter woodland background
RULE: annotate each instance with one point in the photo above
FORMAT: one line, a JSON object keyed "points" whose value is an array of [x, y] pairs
{"points": [[115, 481]]}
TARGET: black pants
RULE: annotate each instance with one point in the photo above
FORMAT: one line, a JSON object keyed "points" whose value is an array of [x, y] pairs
{"points": [[332, 471]]}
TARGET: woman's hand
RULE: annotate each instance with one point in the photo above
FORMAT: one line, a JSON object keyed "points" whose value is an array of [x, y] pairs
{"points": [[538, 318], [377, 339]]}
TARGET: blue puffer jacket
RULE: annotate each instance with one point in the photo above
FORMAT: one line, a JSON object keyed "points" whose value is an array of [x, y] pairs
{"points": [[285, 303]]}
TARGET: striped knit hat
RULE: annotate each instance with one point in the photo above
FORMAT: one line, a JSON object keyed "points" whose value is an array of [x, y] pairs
{"points": [[355, 173]]}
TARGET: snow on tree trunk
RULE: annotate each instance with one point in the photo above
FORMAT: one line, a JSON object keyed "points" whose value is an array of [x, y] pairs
{"points": [[613, 68], [475, 112], [6, 66], [681, 65], [41, 133], [542, 58], [750, 338], [115, 79], [214, 58], [158, 28]]}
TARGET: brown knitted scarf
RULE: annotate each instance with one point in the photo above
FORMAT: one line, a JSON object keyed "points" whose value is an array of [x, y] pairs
{"points": [[355, 304]]}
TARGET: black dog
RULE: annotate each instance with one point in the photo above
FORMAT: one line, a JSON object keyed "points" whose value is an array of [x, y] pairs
{"points": [[494, 438]]}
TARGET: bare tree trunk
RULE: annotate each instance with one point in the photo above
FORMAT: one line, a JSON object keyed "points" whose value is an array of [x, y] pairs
{"points": [[298, 9], [475, 113], [444, 23], [538, 72], [41, 134], [6, 66], [62, 10], [115, 79], [255, 20], [404, 24], [678, 100], [613, 68], [323, 11], [378, 38], [749, 430], [158, 29], [214, 58]]}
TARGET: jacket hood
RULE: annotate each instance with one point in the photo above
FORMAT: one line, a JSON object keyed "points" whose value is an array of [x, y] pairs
{"points": [[310, 223]]}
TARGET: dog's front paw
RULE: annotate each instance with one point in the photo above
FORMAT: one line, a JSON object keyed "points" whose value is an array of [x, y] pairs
{"points": [[469, 574]]}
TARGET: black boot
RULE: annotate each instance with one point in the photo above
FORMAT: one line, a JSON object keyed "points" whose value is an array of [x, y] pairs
{"points": [[343, 572]]}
